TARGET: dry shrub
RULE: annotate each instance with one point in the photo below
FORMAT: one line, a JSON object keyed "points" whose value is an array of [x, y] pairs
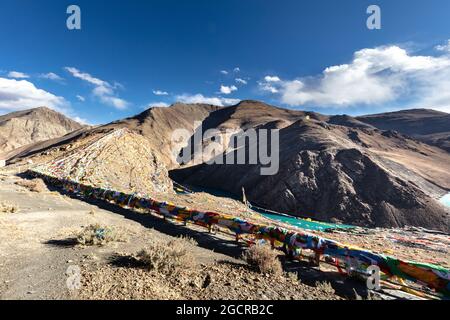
{"points": [[169, 257], [7, 207], [35, 185], [325, 287], [292, 276], [264, 259], [97, 235]]}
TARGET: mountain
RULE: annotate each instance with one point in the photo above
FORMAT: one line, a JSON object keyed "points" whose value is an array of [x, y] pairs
{"points": [[156, 124], [351, 172], [429, 126], [246, 115], [331, 168], [22, 128], [121, 160]]}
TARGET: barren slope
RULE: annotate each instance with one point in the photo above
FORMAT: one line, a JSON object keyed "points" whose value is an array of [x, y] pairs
{"points": [[121, 160], [430, 126], [355, 175], [347, 171], [155, 124], [22, 128]]}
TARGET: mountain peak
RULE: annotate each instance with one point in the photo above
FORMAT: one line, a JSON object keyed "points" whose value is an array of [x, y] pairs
{"points": [[21, 128]]}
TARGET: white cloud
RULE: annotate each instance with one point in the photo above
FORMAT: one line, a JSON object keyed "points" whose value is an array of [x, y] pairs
{"points": [[51, 76], [237, 69], [21, 94], [103, 90], [81, 98], [160, 93], [81, 120], [241, 81], [444, 47], [227, 89], [272, 79], [269, 84], [199, 98], [265, 86], [117, 103], [224, 72], [158, 105], [86, 77], [17, 75], [374, 76], [445, 109]]}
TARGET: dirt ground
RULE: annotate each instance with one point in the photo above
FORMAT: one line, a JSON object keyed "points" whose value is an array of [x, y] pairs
{"points": [[38, 245]]}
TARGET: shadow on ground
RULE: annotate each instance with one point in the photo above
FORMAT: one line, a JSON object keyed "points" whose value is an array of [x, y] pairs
{"points": [[125, 261], [62, 243]]}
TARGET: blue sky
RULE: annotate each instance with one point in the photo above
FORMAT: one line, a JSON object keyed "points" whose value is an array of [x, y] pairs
{"points": [[308, 55]]}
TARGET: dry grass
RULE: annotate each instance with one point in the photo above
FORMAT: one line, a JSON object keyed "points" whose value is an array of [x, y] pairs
{"points": [[108, 283], [169, 257], [6, 207], [264, 259], [35, 185], [97, 235], [292, 276], [325, 287]]}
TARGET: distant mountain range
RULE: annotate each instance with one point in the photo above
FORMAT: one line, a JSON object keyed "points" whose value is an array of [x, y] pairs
{"points": [[334, 168], [429, 126], [22, 128], [380, 170]]}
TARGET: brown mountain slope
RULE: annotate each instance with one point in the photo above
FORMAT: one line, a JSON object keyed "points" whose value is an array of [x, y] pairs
{"points": [[250, 114], [349, 172], [155, 124], [121, 160], [348, 121], [22, 128], [246, 114], [43, 146], [432, 127], [330, 172]]}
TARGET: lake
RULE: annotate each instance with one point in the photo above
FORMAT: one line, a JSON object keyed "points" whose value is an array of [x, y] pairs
{"points": [[301, 223]]}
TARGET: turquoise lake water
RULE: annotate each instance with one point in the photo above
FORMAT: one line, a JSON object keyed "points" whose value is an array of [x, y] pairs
{"points": [[302, 223], [446, 200], [294, 221]]}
